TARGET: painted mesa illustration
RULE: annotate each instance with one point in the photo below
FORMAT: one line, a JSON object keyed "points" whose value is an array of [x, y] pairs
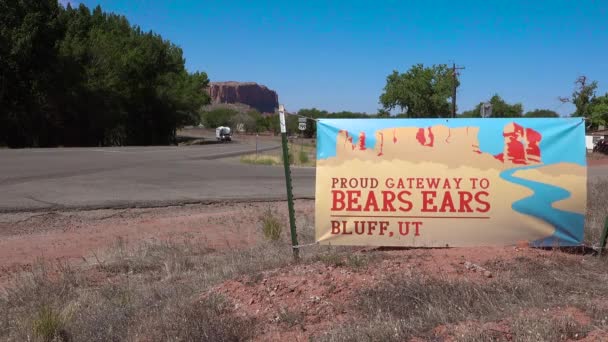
{"points": [[399, 182]]}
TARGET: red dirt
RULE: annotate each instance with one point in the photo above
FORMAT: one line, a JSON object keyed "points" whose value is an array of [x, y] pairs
{"points": [[319, 294], [75, 236], [597, 159]]}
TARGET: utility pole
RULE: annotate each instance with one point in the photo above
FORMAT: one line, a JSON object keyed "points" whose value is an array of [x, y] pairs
{"points": [[454, 74]]}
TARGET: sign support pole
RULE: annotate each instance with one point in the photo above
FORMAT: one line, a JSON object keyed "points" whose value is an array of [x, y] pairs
{"points": [[292, 219]]}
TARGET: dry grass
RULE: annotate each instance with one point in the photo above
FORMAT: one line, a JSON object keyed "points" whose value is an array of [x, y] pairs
{"points": [[298, 156], [272, 227], [149, 291], [403, 307], [597, 211], [261, 159]]}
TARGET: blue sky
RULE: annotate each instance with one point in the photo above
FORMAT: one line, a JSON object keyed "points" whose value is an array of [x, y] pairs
{"points": [[335, 55]]}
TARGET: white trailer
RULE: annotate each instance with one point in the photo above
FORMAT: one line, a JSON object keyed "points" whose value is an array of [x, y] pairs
{"points": [[223, 133]]}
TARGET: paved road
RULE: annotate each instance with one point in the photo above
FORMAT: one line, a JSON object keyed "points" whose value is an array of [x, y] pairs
{"points": [[33, 179]]}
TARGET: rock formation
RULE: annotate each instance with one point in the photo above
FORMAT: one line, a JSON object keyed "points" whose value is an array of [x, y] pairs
{"points": [[252, 94], [521, 145], [453, 146]]}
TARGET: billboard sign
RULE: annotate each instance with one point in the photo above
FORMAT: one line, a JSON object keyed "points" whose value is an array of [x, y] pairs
{"points": [[450, 182]]}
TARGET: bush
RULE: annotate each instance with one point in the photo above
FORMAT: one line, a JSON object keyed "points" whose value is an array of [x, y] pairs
{"points": [[303, 156], [271, 226], [218, 117], [209, 319], [49, 325]]}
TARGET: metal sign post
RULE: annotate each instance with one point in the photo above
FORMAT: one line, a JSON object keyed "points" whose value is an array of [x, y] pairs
{"points": [[302, 127], [292, 219]]}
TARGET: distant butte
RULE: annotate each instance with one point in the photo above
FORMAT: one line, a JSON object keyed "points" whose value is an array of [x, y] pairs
{"points": [[252, 94]]}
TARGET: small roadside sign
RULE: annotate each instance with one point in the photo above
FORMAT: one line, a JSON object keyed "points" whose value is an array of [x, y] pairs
{"points": [[302, 126], [302, 120]]}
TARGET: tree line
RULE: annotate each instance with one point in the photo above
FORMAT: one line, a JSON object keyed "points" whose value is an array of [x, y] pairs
{"points": [[427, 91], [76, 77], [252, 121]]}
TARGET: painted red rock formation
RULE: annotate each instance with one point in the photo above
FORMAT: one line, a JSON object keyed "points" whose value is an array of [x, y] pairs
{"points": [[362, 141], [252, 94], [521, 145], [425, 137]]}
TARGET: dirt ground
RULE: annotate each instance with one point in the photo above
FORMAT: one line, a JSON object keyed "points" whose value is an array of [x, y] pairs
{"points": [[597, 159], [76, 236]]}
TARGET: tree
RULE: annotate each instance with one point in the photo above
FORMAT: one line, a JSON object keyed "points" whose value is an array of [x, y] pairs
{"points": [[420, 92], [588, 105], [500, 109], [541, 113], [218, 117], [383, 113], [598, 111], [76, 77], [29, 32], [582, 96], [311, 125], [473, 113]]}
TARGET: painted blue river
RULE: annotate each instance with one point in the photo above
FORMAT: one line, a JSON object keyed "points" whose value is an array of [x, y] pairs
{"points": [[568, 226]]}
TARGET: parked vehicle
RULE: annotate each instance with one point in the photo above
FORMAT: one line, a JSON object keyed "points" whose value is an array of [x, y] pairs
{"points": [[223, 134], [601, 146]]}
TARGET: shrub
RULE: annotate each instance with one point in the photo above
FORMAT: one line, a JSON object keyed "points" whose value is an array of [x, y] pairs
{"points": [[49, 325], [261, 160], [303, 156], [271, 226], [209, 319]]}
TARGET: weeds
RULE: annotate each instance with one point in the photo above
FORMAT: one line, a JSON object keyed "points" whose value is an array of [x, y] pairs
{"points": [[332, 259], [289, 317], [261, 160], [171, 257], [597, 211], [298, 156], [271, 226], [337, 259], [546, 328], [49, 325], [209, 319], [303, 157], [404, 307]]}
